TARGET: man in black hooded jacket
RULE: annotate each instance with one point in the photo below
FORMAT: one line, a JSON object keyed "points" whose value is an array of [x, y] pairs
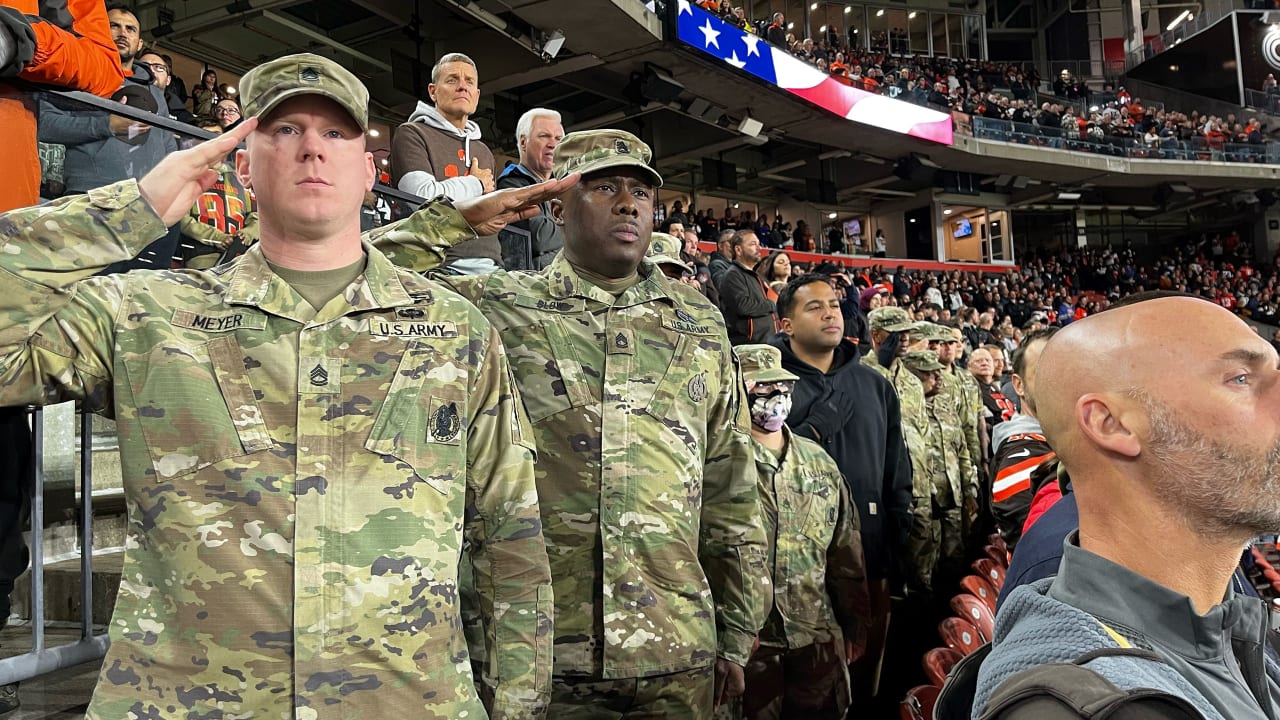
{"points": [[853, 413]]}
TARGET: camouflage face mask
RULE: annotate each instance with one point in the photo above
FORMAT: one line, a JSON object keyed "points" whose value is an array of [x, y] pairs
{"points": [[769, 412]]}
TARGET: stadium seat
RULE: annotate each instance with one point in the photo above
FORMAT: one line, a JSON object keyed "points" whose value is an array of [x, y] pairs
{"points": [[919, 702], [975, 611], [995, 539], [1000, 556], [960, 635], [938, 662], [981, 588], [990, 569]]}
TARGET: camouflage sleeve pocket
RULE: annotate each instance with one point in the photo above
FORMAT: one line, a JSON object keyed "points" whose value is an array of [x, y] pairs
{"points": [[423, 428]]}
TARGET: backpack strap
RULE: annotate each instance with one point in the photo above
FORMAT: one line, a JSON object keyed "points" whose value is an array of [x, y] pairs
{"points": [[1070, 691], [955, 702]]}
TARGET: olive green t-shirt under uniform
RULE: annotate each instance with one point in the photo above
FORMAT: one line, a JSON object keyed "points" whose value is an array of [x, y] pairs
{"points": [[318, 287]]}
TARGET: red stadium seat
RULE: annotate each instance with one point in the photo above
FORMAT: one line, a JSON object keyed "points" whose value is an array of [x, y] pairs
{"points": [[960, 635], [981, 588], [975, 611], [996, 540], [938, 662], [991, 570], [1000, 556], [919, 702]]}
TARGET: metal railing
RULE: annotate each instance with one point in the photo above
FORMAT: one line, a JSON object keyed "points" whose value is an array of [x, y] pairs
{"points": [[1264, 101], [1169, 38], [1167, 149], [42, 659]]}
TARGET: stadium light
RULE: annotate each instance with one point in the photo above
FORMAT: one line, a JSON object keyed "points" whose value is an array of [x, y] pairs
{"points": [[946, 211], [1072, 196], [791, 26], [912, 15], [373, 132], [814, 6], [880, 12], [1182, 17], [822, 29], [848, 9], [831, 216]]}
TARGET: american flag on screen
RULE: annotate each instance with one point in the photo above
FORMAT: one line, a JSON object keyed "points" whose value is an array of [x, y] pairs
{"points": [[750, 53]]}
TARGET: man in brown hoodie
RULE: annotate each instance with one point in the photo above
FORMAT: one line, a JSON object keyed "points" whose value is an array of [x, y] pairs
{"points": [[438, 152]]}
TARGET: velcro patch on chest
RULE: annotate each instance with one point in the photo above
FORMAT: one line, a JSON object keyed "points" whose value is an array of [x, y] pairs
{"points": [[686, 323], [219, 322], [568, 305], [412, 328]]}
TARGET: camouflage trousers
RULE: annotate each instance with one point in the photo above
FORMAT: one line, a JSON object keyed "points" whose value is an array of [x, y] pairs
{"points": [[936, 537], [684, 695], [811, 682]]}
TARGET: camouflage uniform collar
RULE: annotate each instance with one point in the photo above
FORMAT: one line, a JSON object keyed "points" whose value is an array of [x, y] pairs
{"points": [[765, 456], [564, 282], [250, 281]]}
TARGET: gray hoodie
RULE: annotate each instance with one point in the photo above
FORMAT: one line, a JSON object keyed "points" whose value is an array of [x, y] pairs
{"points": [[427, 177], [1015, 425]]}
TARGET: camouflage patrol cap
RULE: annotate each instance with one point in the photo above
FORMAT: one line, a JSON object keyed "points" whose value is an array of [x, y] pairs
{"points": [[922, 361], [665, 250], [593, 150], [936, 331], [762, 364], [271, 83], [891, 319]]}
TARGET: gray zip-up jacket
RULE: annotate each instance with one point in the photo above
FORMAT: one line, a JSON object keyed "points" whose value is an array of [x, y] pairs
{"points": [[1214, 661], [95, 157]]}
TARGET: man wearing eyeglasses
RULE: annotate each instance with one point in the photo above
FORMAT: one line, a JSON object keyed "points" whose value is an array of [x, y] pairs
{"points": [[227, 113], [162, 78]]}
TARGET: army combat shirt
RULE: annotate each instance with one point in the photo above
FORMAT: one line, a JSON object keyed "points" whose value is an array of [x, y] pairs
{"points": [[645, 476], [815, 548], [299, 482]]}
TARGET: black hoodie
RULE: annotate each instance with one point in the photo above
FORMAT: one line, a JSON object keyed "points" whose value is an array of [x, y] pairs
{"points": [[852, 411]]}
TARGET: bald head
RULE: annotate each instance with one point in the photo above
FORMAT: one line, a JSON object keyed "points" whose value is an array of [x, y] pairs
{"points": [[1109, 388]]}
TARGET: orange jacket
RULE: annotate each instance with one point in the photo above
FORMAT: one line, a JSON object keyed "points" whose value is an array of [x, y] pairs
{"points": [[73, 49]]}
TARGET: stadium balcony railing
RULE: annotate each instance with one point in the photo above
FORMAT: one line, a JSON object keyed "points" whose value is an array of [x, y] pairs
{"points": [[1168, 149], [1184, 30]]}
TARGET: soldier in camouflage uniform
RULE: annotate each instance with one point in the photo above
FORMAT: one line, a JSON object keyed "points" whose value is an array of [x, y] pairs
{"points": [[939, 546], [644, 470], [821, 607], [891, 329], [948, 343], [307, 435]]}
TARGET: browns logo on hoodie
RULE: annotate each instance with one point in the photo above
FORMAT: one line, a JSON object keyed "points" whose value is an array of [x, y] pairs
{"points": [[431, 157]]}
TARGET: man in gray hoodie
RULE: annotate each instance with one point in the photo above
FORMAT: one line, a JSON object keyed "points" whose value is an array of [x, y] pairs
{"points": [[439, 152], [1163, 412]]}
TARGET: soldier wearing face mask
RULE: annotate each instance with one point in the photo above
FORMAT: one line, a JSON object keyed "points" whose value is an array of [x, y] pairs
{"points": [[821, 608]]}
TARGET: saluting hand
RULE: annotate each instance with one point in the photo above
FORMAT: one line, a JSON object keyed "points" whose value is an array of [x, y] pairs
{"points": [[173, 186], [490, 213]]}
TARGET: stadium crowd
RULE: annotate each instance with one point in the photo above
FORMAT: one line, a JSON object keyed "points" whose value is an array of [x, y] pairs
{"points": [[1010, 103], [520, 455]]}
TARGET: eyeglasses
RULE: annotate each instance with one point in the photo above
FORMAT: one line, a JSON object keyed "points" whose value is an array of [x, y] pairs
{"points": [[155, 67], [226, 110]]}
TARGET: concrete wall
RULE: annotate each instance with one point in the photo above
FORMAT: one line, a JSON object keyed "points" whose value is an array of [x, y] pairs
{"points": [[895, 232]]}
